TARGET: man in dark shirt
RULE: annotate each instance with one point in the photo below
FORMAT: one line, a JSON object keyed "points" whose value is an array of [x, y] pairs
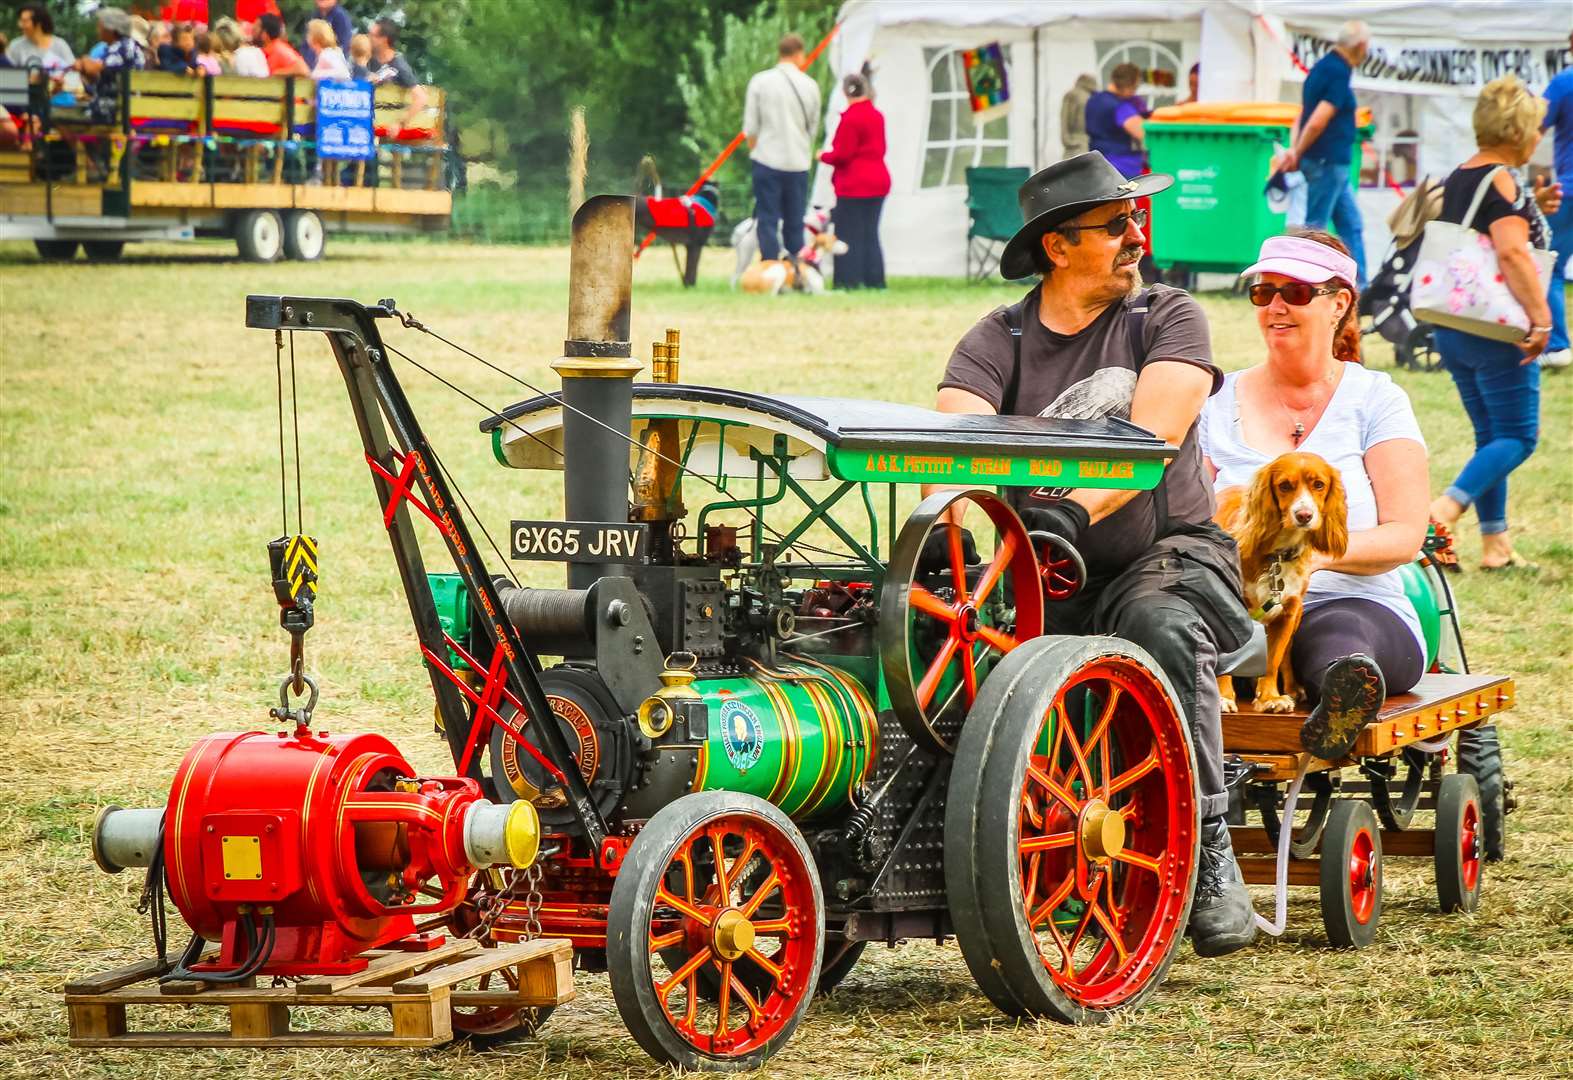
{"points": [[1092, 343], [1114, 121], [389, 66], [1325, 143]]}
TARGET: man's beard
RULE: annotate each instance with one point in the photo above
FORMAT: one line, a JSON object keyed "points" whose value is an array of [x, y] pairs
{"points": [[1129, 260]]}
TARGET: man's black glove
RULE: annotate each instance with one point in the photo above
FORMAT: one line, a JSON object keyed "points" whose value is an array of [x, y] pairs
{"points": [[1065, 519], [934, 558]]}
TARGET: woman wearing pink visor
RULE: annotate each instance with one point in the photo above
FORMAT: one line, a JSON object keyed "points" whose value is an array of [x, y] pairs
{"points": [[1312, 394]]}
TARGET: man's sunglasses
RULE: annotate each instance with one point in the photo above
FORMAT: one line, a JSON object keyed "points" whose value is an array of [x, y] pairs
{"points": [[1115, 226], [1295, 293]]}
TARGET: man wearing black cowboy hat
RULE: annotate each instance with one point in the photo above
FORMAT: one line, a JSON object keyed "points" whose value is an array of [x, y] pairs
{"points": [[1089, 342]]}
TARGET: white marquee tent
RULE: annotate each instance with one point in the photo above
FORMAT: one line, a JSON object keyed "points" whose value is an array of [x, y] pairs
{"points": [[1429, 59]]}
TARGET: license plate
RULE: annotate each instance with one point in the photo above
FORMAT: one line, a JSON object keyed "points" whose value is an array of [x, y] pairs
{"points": [[580, 541]]}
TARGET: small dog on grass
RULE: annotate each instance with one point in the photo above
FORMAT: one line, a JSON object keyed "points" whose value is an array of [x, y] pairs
{"points": [[1294, 509], [806, 273]]}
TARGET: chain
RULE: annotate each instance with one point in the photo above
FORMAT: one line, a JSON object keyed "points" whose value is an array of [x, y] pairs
{"points": [[532, 902], [493, 907]]}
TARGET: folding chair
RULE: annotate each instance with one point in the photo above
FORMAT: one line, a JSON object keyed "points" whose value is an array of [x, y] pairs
{"points": [[995, 215]]}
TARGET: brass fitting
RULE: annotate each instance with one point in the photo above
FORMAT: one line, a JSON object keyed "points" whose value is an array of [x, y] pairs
{"points": [[659, 710]]}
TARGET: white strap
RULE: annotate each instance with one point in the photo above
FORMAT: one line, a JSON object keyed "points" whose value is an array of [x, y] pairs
{"points": [[1480, 197]]}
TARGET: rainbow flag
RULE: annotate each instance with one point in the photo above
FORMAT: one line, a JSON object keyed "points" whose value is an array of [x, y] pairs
{"points": [[987, 85]]}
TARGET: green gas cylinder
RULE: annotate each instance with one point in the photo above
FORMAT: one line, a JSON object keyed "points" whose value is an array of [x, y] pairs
{"points": [[802, 736], [1417, 586]]}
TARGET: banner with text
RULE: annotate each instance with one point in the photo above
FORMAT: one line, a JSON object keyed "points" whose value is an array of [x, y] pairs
{"points": [[344, 120], [1419, 65]]}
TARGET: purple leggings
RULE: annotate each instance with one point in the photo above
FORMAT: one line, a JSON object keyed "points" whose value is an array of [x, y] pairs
{"points": [[1351, 624]]}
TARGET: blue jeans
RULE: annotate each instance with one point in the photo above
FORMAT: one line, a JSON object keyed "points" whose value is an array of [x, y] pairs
{"points": [[779, 197], [1502, 397], [1328, 196], [1562, 243]]}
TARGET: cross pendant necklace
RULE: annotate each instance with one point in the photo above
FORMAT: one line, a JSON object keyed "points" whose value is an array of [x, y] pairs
{"points": [[1298, 433]]}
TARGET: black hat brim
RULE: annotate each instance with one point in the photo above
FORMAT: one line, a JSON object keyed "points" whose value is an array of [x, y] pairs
{"points": [[1016, 260]]}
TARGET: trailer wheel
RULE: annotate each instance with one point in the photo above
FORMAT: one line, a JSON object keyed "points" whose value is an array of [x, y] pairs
{"points": [[103, 250], [688, 897], [1480, 756], [259, 236], [1351, 875], [489, 1025], [1460, 843], [56, 250], [1071, 830], [304, 237]]}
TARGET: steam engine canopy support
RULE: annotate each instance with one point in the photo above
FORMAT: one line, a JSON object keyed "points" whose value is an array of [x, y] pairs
{"points": [[598, 372]]}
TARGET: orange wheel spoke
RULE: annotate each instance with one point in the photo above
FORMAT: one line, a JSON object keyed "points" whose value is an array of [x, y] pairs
{"points": [[958, 562], [666, 941], [691, 1009], [1046, 843], [1148, 764], [773, 969], [725, 998], [682, 974], [936, 671], [662, 896], [1099, 738], [969, 674], [926, 602], [770, 885], [1048, 783], [688, 871], [1075, 745], [754, 1011], [1056, 898], [997, 638], [718, 852], [1081, 929], [1136, 858], [774, 927], [1031, 875], [996, 569], [1108, 928]]}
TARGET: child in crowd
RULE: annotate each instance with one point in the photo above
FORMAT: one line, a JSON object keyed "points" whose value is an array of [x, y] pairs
{"points": [[207, 56], [360, 57], [175, 50], [330, 58]]}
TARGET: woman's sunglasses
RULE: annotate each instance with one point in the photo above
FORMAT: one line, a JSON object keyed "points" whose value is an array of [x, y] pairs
{"points": [[1115, 226], [1295, 293]]}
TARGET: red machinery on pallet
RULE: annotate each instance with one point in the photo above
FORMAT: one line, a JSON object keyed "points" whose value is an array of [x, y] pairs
{"points": [[298, 851]]}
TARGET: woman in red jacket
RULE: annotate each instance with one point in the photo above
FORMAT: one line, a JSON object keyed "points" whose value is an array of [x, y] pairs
{"points": [[861, 182]]}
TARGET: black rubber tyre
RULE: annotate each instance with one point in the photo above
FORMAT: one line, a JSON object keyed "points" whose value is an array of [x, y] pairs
{"points": [[103, 250], [1351, 875], [983, 836], [1480, 756], [56, 250], [259, 236], [645, 869], [841, 957], [1459, 853], [304, 238]]}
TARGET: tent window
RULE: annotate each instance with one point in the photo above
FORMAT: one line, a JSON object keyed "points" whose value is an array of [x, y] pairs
{"points": [[1394, 149], [952, 141], [1159, 62]]}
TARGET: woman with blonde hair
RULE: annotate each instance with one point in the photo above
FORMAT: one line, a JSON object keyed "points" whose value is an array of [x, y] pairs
{"points": [[1499, 382], [330, 58], [236, 52]]}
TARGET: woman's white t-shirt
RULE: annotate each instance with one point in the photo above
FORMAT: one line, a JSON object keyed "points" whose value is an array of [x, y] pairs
{"points": [[1366, 408]]}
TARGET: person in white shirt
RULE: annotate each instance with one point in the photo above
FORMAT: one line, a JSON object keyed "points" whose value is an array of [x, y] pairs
{"points": [[330, 58], [1313, 395], [780, 119]]}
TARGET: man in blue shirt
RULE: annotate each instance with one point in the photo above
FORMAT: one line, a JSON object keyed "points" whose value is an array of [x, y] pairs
{"points": [[1326, 139], [1559, 118]]}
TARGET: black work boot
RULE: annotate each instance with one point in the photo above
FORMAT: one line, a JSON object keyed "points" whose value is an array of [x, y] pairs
{"points": [[1222, 919], [1352, 694]]}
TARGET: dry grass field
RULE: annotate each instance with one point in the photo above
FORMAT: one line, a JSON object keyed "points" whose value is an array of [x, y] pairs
{"points": [[138, 487]]}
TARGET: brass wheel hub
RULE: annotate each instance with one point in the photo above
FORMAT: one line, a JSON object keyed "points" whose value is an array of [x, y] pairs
{"points": [[1101, 831], [733, 934]]}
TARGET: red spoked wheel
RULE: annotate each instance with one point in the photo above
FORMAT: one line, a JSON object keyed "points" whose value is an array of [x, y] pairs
{"points": [[1064, 572], [1071, 831], [714, 932], [1351, 875], [1459, 854], [941, 631]]}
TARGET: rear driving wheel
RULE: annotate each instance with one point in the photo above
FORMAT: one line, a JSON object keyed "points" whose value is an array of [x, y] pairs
{"points": [[940, 632], [489, 1025], [716, 879], [1351, 875], [1071, 831], [1459, 854]]}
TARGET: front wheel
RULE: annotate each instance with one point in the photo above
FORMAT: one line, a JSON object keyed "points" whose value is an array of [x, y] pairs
{"points": [[1071, 830], [56, 250], [1459, 852], [716, 880], [1351, 875], [259, 236]]}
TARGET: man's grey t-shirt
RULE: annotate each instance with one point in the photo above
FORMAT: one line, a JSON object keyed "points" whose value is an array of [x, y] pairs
{"points": [[1090, 375]]}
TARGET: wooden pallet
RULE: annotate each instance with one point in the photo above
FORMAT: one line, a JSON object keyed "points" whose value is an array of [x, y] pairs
{"points": [[417, 988]]}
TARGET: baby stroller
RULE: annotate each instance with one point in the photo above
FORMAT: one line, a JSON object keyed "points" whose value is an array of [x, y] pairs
{"points": [[1384, 306]]}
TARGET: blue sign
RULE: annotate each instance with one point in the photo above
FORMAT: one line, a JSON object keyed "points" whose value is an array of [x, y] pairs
{"points": [[344, 120]]}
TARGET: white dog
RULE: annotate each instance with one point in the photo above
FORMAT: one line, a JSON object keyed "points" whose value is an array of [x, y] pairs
{"points": [[745, 240], [806, 273]]}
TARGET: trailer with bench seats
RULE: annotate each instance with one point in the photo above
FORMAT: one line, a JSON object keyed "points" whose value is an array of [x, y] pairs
{"points": [[214, 156]]}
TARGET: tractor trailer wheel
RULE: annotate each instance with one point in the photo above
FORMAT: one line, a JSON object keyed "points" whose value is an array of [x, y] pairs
{"points": [[259, 236], [304, 237], [56, 250]]}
